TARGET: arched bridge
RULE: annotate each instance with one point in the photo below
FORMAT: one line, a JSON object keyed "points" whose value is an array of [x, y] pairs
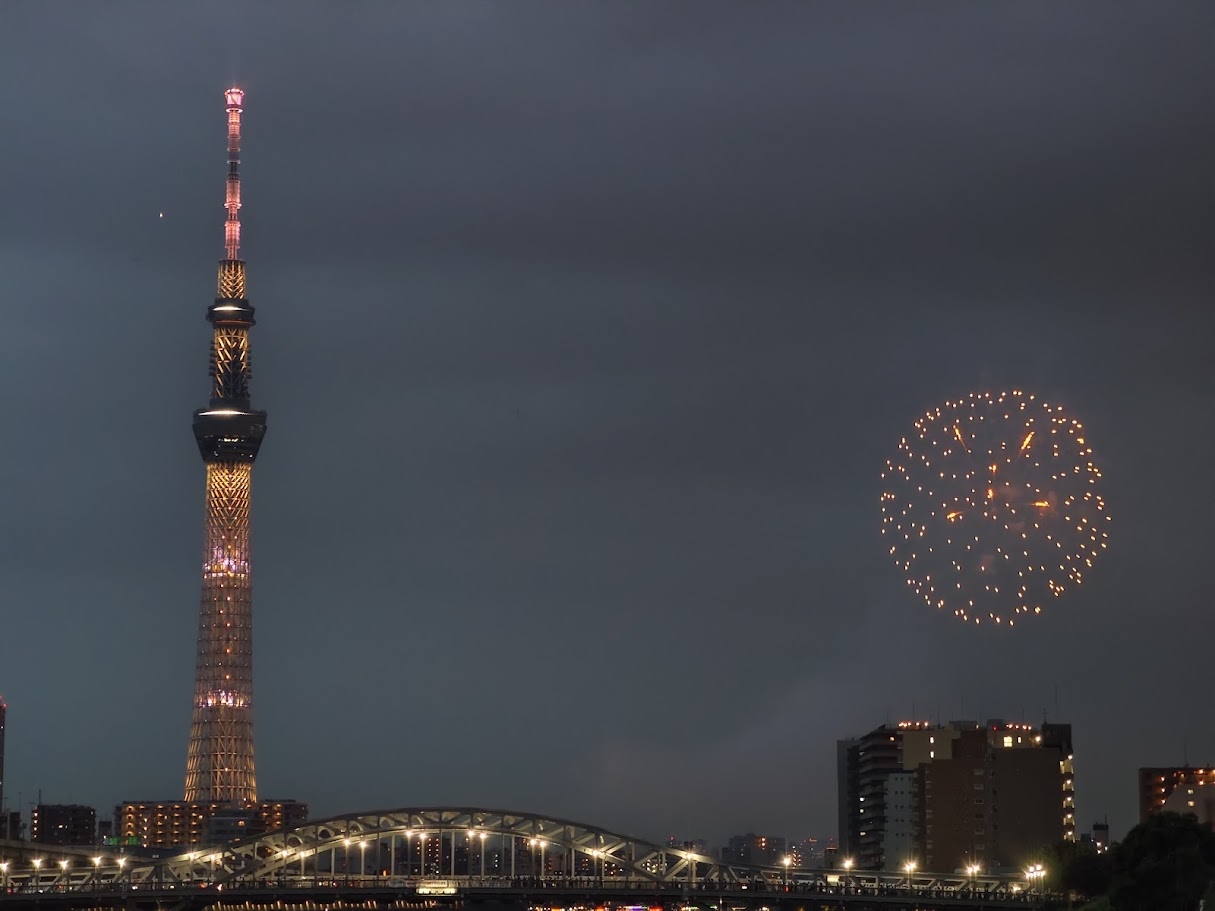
{"points": [[464, 849]]}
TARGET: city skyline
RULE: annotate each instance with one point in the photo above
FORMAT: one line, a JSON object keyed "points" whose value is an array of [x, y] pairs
{"points": [[593, 331]]}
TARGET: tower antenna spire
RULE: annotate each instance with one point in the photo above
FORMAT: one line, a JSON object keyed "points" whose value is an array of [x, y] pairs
{"points": [[235, 98]]}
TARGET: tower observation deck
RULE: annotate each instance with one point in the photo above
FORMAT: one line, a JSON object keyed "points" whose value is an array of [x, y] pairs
{"points": [[219, 766]]}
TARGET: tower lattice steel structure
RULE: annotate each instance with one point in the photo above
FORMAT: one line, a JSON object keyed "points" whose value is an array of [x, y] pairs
{"points": [[219, 768]]}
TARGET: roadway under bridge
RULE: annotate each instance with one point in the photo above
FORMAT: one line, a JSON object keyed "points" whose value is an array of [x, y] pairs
{"points": [[461, 857]]}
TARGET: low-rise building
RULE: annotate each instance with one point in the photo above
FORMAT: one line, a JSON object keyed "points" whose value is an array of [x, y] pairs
{"points": [[166, 823], [63, 824]]}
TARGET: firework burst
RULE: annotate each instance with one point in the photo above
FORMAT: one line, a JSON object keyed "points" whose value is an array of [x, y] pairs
{"points": [[992, 507]]}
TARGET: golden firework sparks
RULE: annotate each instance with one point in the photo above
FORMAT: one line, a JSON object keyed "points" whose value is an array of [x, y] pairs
{"points": [[992, 506]]}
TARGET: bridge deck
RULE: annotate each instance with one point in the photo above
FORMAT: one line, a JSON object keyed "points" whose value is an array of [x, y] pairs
{"points": [[373, 894]]}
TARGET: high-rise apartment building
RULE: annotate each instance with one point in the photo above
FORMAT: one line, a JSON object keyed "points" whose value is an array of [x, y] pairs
{"points": [[1004, 792], [1157, 783], [219, 766], [947, 796], [876, 831]]}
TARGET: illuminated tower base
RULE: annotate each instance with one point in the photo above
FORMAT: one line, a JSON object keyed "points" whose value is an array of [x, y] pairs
{"points": [[220, 763]]}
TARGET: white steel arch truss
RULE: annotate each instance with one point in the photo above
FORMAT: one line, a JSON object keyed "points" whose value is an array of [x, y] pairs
{"points": [[310, 850], [630, 858]]}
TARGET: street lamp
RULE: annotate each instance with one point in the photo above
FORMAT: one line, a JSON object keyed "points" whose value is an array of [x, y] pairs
{"points": [[483, 855], [1035, 872], [909, 868], [4, 876], [786, 860], [363, 859], [847, 867], [539, 842]]}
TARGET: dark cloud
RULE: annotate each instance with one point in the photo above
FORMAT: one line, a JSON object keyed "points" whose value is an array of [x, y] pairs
{"points": [[584, 333]]}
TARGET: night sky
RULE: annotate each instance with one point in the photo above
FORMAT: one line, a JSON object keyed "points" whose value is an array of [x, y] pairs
{"points": [[585, 331]]}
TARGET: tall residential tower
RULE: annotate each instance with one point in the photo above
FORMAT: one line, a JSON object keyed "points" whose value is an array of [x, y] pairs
{"points": [[219, 768]]}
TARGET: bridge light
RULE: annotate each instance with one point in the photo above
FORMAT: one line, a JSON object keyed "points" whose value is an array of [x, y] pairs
{"points": [[63, 865], [37, 863], [96, 861], [847, 863], [122, 862]]}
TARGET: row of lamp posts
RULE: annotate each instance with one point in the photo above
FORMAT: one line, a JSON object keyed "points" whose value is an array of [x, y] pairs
{"points": [[37, 862]]}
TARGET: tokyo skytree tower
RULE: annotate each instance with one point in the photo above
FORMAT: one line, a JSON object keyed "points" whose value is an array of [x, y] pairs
{"points": [[219, 767]]}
